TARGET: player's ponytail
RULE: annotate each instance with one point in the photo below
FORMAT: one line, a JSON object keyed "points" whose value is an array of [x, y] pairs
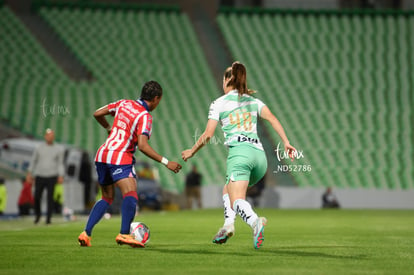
{"points": [[239, 78]]}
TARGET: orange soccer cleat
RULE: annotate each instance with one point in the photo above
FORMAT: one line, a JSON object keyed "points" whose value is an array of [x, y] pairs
{"points": [[84, 239], [129, 240]]}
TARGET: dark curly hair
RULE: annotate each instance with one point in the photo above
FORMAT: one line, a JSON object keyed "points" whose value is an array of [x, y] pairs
{"points": [[150, 90]]}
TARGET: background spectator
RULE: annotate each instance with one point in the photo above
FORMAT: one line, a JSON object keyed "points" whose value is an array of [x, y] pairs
{"points": [[58, 198], [26, 201], [254, 192], [329, 199], [193, 187], [3, 196], [47, 168]]}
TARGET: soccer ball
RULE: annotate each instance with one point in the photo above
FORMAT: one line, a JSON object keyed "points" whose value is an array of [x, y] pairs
{"points": [[140, 232]]}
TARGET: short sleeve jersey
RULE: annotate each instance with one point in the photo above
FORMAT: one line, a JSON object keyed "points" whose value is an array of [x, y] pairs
{"points": [[238, 118], [132, 118]]}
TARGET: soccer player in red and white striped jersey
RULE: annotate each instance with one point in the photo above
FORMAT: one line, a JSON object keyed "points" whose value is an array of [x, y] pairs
{"points": [[114, 161], [132, 119]]}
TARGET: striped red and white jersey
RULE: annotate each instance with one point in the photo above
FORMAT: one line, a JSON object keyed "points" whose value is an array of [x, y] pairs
{"points": [[132, 118]]}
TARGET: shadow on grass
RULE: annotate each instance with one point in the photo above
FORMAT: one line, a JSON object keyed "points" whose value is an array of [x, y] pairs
{"points": [[299, 251]]}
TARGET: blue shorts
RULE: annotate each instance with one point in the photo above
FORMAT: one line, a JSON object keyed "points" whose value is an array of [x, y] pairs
{"points": [[111, 173]]}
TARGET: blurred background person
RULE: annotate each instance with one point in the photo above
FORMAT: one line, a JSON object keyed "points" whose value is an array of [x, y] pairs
{"points": [[146, 172], [58, 198], [46, 169], [329, 199], [3, 196], [255, 192], [26, 201], [193, 188], [85, 176]]}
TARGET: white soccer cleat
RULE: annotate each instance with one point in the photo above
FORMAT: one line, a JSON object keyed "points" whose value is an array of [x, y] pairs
{"points": [[224, 234], [258, 232]]}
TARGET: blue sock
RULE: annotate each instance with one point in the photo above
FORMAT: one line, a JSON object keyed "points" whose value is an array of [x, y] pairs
{"points": [[129, 206], [98, 210]]}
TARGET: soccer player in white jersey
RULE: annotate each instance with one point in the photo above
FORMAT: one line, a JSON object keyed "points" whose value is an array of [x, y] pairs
{"points": [[237, 111], [114, 161]]}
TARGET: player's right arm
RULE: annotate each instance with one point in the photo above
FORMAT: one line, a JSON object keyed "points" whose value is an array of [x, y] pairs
{"points": [[213, 119], [202, 140], [145, 148], [100, 117]]}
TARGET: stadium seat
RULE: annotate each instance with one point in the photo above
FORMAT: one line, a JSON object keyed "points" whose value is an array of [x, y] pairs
{"points": [[123, 49], [341, 90]]}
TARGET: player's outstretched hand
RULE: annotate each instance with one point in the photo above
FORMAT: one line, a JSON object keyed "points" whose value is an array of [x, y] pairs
{"points": [[186, 154], [291, 150], [174, 166]]}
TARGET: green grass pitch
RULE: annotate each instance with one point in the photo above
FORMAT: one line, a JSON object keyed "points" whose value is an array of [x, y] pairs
{"points": [[296, 242]]}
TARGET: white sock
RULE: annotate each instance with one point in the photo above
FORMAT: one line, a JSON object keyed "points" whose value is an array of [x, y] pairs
{"points": [[229, 214], [245, 211]]}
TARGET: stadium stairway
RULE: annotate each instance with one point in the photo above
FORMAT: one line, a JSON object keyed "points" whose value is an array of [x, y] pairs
{"points": [[54, 46]]}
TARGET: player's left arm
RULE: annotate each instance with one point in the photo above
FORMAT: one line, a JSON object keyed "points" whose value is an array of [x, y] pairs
{"points": [[100, 117], [277, 126], [145, 148], [202, 140]]}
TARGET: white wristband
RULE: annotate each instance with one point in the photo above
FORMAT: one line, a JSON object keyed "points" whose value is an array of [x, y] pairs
{"points": [[164, 161], [108, 128]]}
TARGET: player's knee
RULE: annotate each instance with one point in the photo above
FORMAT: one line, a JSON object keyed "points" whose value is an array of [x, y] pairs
{"points": [[108, 200], [131, 194]]}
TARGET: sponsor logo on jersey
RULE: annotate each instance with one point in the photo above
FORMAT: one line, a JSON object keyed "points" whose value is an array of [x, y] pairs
{"points": [[247, 139], [117, 171], [121, 124]]}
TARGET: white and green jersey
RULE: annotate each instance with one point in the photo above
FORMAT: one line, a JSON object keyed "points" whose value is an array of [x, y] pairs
{"points": [[238, 118]]}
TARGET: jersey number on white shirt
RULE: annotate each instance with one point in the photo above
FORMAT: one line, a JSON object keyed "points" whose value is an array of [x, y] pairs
{"points": [[247, 120]]}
